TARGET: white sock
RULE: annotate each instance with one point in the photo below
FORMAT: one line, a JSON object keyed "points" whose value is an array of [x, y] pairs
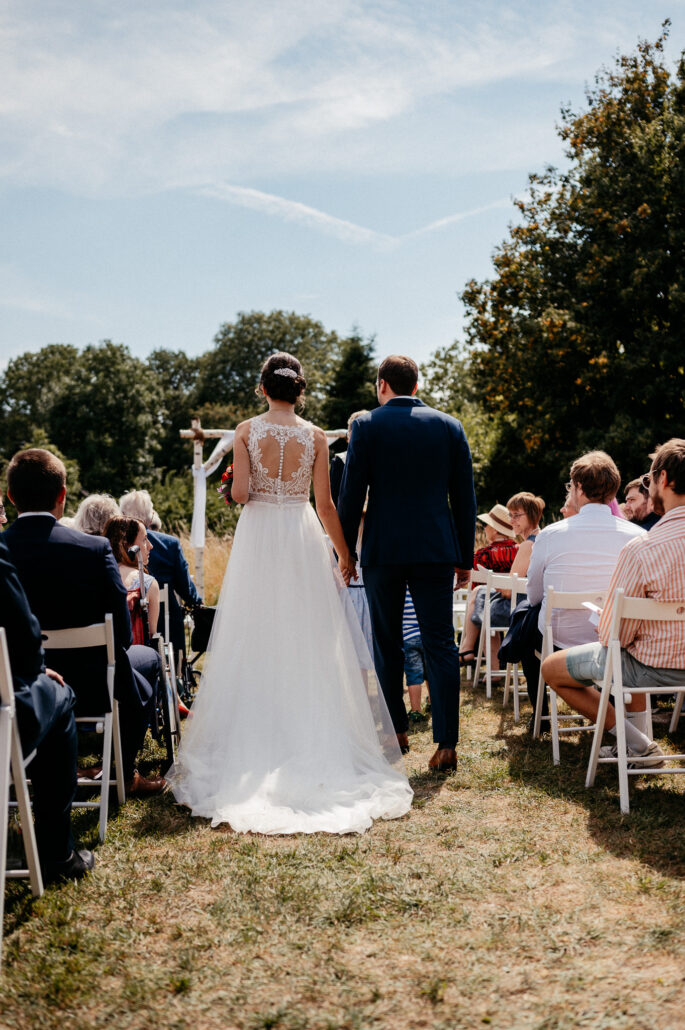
{"points": [[635, 740], [639, 720]]}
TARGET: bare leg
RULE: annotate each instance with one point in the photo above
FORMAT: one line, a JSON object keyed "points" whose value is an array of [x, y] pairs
{"points": [[581, 698], [415, 696], [469, 640]]}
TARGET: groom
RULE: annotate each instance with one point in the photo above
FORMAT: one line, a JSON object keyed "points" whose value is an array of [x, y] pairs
{"points": [[419, 525]]}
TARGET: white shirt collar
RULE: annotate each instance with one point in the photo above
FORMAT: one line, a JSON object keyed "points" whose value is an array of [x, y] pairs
{"points": [[25, 514]]}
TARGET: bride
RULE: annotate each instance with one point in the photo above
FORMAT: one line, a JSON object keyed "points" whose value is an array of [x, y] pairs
{"points": [[284, 735]]}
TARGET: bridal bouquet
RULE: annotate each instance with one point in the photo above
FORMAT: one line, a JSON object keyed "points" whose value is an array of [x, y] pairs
{"points": [[226, 484]]}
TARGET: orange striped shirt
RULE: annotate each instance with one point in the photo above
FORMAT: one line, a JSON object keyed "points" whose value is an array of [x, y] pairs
{"points": [[652, 566]]}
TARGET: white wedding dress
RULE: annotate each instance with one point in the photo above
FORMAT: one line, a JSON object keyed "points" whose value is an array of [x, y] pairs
{"points": [[284, 736]]}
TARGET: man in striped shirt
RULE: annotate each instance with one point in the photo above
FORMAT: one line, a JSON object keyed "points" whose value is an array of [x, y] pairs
{"points": [[653, 652]]}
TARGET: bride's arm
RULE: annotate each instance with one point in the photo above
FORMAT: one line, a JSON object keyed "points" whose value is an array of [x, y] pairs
{"points": [[325, 508], [240, 490]]}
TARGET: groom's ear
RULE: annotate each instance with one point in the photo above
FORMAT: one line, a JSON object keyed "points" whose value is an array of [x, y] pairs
{"points": [[415, 389]]}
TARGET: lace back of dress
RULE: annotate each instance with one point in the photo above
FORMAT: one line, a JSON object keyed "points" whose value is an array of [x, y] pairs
{"points": [[281, 460]]}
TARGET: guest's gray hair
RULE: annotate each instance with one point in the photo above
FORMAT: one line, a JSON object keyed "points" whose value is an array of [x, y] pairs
{"points": [[94, 513], [137, 504]]}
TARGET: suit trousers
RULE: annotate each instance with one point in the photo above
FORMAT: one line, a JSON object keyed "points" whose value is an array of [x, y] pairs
{"points": [[431, 588], [53, 770]]}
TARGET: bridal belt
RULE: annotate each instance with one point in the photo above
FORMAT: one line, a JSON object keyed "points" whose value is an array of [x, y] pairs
{"points": [[279, 499]]}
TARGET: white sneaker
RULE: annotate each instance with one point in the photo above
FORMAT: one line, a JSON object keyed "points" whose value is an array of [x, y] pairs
{"points": [[653, 755]]}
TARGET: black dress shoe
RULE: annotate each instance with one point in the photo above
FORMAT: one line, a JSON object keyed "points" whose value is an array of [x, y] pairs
{"points": [[75, 867]]}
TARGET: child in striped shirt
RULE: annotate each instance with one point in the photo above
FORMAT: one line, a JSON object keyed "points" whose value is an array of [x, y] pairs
{"points": [[414, 661]]}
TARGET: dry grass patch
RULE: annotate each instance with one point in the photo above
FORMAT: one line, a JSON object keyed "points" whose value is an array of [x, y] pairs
{"points": [[217, 553], [509, 897]]}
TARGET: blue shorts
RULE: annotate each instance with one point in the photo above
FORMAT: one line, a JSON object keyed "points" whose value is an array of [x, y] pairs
{"points": [[414, 663], [586, 663]]}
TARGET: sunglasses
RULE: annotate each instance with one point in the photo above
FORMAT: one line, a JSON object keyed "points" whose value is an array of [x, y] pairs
{"points": [[647, 479]]}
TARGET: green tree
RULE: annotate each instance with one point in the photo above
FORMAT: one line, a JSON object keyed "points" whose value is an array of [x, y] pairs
{"points": [[230, 372], [29, 388], [353, 383], [75, 492], [576, 341], [110, 419], [177, 376]]}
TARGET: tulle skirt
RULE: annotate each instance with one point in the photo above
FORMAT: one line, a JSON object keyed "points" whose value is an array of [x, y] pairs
{"points": [[285, 735]]}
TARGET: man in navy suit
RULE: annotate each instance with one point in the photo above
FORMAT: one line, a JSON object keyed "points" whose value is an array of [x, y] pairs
{"points": [[72, 579], [45, 717], [415, 463], [167, 563]]}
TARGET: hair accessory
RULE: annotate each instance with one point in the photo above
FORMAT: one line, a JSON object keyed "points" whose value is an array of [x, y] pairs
{"points": [[285, 372]]}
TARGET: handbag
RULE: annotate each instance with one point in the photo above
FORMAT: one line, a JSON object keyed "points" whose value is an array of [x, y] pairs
{"points": [[521, 637]]}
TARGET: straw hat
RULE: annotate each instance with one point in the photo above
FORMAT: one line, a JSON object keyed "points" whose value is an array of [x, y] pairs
{"points": [[498, 518]]}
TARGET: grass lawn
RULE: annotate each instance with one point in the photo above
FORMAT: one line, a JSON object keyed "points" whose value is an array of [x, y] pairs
{"points": [[509, 897]]}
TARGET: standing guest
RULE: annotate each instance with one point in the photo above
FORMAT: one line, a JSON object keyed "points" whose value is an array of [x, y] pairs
{"points": [[45, 717], [638, 505], [415, 464], [414, 660], [577, 554], [652, 653], [94, 512], [338, 460], [123, 534], [167, 563], [71, 579]]}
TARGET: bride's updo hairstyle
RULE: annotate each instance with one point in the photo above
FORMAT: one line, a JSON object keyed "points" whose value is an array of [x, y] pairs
{"points": [[282, 378]]}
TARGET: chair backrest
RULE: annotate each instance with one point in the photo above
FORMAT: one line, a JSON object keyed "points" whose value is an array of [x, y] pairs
{"points": [[477, 577], [507, 581], [571, 600], [644, 609], [6, 685], [99, 634]]}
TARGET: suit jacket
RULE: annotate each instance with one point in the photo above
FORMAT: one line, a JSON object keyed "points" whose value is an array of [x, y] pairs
{"points": [[167, 563], [416, 464], [72, 579], [34, 692]]}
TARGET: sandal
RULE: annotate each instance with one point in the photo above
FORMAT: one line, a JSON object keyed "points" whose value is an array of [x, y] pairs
{"points": [[463, 660]]}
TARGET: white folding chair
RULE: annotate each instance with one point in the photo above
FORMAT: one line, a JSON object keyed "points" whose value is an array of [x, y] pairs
{"points": [[459, 609], [644, 609], [558, 600], [164, 602], [476, 579], [497, 581], [677, 710], [100, 634], [12, 771]]}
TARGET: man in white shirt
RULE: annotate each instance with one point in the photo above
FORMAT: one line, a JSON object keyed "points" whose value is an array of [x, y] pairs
{"points": [[579, 553]]}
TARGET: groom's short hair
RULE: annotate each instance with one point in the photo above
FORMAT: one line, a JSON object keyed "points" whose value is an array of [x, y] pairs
{"points": [[400, 373], [35, 479]]}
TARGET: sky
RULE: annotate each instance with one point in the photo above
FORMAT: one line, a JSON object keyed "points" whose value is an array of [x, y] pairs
{"points": [[166, 165]]}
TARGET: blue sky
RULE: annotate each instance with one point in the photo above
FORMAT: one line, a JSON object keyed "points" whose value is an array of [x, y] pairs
{"points": [[165, 165]]}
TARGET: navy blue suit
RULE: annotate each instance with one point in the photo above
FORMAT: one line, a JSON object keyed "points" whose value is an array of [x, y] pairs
{"points": [[72, 579], [167, 563], [420, 524], [45, 718]]}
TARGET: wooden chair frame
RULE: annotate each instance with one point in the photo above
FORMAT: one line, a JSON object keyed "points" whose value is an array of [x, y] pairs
{"points": [[612, 688], [99, 634]]}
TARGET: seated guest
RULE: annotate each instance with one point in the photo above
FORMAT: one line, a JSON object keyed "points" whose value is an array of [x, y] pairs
{"points": [[568, 508], [3, 515], [94, 512], [71, 579], [638, 507], [166, 563], [652, 653], [577, 554], [525, 511], [45, 717], [497, 556], [123, 534], [338, 460]]}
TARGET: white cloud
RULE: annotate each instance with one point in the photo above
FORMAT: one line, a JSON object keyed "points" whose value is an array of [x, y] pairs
{"points": [[128, 97]]}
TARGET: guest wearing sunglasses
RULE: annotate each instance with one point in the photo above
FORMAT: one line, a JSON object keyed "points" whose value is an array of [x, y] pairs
{"points": [[639, 508]]}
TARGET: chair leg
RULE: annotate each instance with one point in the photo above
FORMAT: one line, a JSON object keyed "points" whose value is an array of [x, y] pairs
{"points": [[118, 755], [28, 832], [517, 707], [599, 723], [479, 657], [554, 719], [542, 687], [677, 709], [5, 744], [624, 796], [507, 687], [106, 776]]}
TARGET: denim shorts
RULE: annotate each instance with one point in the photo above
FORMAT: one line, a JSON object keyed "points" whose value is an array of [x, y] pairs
{"points": [[414, 666], [500, 608], [586, 663]]}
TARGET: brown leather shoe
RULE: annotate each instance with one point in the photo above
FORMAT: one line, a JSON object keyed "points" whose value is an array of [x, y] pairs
{"points": [[444, 760], [140, 787], [90, 772], [403, 741]]}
